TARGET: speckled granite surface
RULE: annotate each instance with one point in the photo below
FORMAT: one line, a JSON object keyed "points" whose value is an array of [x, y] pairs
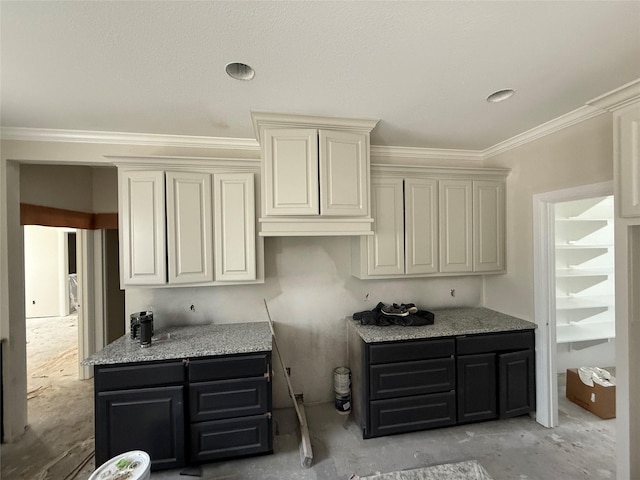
{"points": [[447, 323], [470, 470], [188, 342]]}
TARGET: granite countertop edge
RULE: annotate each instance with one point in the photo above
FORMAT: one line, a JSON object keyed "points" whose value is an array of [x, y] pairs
{"points": [[450, 322], [179, 342]]}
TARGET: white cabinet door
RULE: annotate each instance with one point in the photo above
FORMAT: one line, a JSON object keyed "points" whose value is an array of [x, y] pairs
{"points": [[386, 246], [421, 226], [627, 140], [235, 239], [488, 226], [291, 171], [142, 227], [455, 222], [343, 173], [189, 227]]}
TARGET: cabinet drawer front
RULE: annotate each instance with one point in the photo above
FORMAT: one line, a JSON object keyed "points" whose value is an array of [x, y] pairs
{"points": [[417, 350], [412, 378], [228, 398], [413, 413], [230, 438], [138, 375], [498, 342], [228, 367]]}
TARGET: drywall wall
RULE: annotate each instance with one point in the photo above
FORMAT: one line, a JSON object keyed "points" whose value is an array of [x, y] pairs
{"points": [[70, 187], [309, 290], [578, 155], [45, 272]]}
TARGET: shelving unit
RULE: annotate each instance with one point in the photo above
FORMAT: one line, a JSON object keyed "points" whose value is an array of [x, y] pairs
{"points": [[585, 306]]}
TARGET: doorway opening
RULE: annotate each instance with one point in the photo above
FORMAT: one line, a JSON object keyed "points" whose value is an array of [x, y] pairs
{"points": [[574, 288]]}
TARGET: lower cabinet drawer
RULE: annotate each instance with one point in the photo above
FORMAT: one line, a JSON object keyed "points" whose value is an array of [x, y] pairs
{"points": [[228, 398], [412, 378], [230, 438], [407, 414]]}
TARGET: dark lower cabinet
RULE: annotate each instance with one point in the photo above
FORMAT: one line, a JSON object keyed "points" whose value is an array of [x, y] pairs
{"points": [[417, 412], [184, 411], [410, 385], [230, 438], [517, 393], [151, 419], [477, 398]]}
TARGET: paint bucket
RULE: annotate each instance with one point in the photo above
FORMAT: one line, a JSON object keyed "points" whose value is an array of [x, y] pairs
{"points": [[342, 389]]}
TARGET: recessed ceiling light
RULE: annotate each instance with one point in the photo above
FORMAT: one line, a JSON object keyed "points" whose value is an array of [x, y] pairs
{"points": [[240, 71], [501, 95]]}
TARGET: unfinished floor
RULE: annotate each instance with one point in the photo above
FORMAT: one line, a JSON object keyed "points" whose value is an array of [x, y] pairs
{"points": [[59, 443]]}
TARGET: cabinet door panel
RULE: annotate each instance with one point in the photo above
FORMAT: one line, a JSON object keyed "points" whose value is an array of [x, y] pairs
{"points": [[477, 394], [628, 152], [343, 173], [228, 398], [412, 378], [386, 245], [142, 227], [230, 438], [235, 230], [189, 227], [455, 226], [408, 414], [421, 226], [150, 419], [291, 172], [488, 226], [517, 383]]}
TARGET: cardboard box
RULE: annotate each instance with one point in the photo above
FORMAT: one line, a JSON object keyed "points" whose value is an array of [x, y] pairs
{"points": [[597, 399]]}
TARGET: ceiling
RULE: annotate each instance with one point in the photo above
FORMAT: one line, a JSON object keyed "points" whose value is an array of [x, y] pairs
{"points": [[423, 68]]}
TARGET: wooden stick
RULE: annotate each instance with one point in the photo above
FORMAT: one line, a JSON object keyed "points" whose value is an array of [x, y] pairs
{"points": [[306, 454]]}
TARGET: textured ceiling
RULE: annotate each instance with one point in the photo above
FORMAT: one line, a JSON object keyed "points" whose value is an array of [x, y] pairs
{"points": [[423, 68]]}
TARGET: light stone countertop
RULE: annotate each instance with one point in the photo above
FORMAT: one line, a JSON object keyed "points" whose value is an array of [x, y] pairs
{"points": [[469, 470], [449, 322], [187, 342]]}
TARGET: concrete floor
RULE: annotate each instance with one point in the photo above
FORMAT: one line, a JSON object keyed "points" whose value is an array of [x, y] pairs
{"points": [[60, 437]]}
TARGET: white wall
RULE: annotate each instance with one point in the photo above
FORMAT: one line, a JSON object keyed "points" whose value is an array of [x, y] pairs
{"points": [[45, 272], [310, 291], [68, 187], [578, 155]]}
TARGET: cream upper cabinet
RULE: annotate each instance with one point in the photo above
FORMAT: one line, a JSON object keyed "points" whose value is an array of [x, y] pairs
{"points": [[386, 246], [203, 232], [142, 227], [421, 225], [488, 226], [343, 173], [189, 227], [291, 172], [627, 145], [235, 234], [456, 227], [315, 174], [404, 240], [431, 221]]}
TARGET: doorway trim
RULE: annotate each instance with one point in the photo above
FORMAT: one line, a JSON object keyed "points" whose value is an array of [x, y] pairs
{"points": [[544, 287]]}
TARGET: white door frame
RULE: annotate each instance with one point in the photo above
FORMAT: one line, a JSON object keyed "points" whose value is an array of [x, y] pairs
{"points": [[90, 297], [544, 292]]}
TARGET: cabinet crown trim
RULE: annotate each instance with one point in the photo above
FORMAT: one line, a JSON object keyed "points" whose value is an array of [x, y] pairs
{"points": [[177, 163], [287, 120], [449, 172]]}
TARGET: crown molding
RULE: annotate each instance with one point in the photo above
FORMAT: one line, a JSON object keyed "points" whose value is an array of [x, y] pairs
{"points": [[576, 116], [618, 98], [181, 162], [382, 151], [415, 171], [124, 138]]}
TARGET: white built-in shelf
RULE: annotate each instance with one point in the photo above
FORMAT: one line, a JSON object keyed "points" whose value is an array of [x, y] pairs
{"points": [[586, 272], [582, 332], [576, 302]]}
